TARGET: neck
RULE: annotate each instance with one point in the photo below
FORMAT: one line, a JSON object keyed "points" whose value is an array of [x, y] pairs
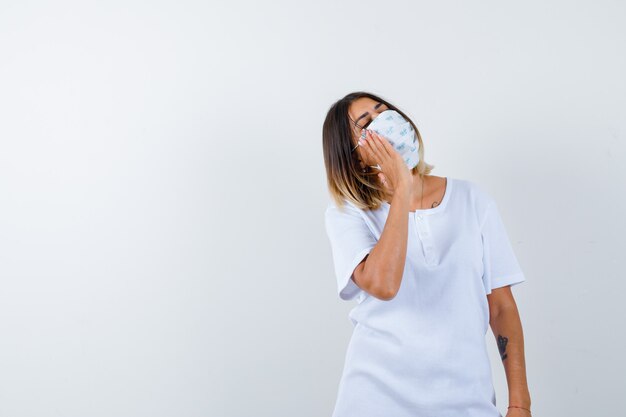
{"points": [[419, 183]]}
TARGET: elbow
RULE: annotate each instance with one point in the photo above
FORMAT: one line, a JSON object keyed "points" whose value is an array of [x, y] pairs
{"points": [[379, 284], [384, 291], [388, 295]]}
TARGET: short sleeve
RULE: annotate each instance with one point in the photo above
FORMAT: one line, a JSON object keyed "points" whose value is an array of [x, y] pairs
{"points": [[350, 240], [501, 267]]}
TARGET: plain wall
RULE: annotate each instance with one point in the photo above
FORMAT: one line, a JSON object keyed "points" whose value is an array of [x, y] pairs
{"points": [[162, 191]]}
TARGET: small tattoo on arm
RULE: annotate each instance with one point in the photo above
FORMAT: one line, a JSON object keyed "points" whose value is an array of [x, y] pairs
{"points": [[502, 341]]}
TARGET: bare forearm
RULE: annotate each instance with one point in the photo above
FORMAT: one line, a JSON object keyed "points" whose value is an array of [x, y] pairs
{"points": [[507, 329], [386, 261]]}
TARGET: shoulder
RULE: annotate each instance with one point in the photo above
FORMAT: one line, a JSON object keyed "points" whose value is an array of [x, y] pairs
{"points": [[345, 212], [347, 206], [474, 192], [476, 198], [351, 215]]}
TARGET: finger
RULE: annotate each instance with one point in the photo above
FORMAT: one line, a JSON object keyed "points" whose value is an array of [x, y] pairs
{"points": [[381, 141], [386, 145], [383, 179], [369, 153], [376, 146], [389, 147], [367, 148]]}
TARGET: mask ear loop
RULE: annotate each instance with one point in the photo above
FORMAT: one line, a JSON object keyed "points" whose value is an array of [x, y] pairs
{"points": [[377, 166]]}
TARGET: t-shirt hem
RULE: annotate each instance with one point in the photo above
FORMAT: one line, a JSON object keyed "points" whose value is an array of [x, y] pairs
{"points": [[511, 280]]}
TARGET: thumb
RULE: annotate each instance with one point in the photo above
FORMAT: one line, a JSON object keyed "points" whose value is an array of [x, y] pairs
{"points": [[383, 179]]}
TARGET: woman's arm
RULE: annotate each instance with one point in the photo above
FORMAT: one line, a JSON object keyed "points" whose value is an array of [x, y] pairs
{"points": [[507, 328], [380, 272]]}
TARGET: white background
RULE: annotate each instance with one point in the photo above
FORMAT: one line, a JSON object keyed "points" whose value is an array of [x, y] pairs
{"points": [[162, 190]]}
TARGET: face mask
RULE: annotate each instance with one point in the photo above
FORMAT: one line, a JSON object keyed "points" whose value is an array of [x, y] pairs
{"points": [[400, 134]]}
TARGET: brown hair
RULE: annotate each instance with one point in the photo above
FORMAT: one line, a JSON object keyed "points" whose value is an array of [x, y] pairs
{"points": [[345, 177]]}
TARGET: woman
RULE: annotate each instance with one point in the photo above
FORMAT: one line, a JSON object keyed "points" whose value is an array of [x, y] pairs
{"points": [[429, 262]]}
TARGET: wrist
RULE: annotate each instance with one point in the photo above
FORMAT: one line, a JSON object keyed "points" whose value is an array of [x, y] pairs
{"points": [[403, 187], [516, 407], [520, 398], [520, 404]]}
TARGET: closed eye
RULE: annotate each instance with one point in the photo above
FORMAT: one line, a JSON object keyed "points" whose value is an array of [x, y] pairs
{"points": [[369, 115]]}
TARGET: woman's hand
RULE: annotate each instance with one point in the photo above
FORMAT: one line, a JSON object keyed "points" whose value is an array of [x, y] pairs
{"points": [[394, 172]]}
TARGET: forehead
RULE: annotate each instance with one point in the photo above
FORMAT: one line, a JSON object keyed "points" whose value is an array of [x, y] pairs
{"points": [[360, 106]]}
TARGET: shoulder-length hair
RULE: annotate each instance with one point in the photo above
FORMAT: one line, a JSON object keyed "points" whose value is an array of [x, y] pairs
{"points": [[346, 179]]}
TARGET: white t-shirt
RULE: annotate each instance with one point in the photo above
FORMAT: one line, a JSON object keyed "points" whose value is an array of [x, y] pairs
{"points": [[424, 353]]}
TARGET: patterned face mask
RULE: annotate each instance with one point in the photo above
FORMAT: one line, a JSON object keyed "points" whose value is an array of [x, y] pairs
{"points": [[400, 133]]}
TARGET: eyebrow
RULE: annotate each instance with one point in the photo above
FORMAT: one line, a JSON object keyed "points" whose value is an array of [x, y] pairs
{"points": [[366, 113]]}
